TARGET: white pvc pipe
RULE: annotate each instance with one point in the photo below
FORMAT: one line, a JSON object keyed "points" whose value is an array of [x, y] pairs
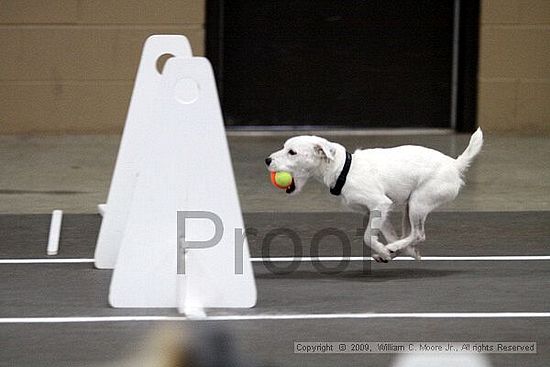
{"points": [[55, 231]]}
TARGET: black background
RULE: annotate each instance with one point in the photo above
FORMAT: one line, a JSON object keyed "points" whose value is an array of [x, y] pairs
{"points": [[333, 63]]}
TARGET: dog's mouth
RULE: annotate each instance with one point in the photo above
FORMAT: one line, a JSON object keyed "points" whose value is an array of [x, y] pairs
{"points": [[298, 182], [291, 188]]}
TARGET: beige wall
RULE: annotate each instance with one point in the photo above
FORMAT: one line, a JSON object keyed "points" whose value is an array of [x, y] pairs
{"points": [[514, 77], [67, 66]]}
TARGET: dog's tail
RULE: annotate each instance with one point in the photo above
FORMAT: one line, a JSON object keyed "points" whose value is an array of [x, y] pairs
{"points": [[474, 147]]}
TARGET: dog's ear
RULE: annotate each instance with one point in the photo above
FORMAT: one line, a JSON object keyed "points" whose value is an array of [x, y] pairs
{"points": [[325, 149]]}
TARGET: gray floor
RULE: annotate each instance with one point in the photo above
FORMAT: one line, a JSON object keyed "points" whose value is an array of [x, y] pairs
{"points": [[73, 290], [35, 290], [73, 173], [448, 234], [503, 210]]}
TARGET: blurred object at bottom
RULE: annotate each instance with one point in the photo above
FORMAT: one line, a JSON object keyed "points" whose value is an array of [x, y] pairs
{"points": [[441, 360], [181, 346]]}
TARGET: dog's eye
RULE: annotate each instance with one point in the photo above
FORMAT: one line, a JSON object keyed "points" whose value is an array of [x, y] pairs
{"points": [[291, 152]]}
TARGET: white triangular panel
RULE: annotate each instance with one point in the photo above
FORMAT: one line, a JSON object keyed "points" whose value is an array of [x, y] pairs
{"points": [[140, 125], [186, 167]]}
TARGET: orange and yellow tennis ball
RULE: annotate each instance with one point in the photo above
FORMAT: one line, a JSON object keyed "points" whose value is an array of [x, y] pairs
{"points": [[281, 180]]}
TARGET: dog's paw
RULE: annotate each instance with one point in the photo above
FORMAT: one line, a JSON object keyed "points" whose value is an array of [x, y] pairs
{"points": [[417, 255], [411, 251], [384, 255], [379, 259], [392, 248]]}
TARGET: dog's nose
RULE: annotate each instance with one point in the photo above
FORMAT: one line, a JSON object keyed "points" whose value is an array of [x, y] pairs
{"points": [[268, 161]]}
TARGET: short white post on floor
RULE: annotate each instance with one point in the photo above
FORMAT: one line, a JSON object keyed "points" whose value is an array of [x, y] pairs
{"points": [[101, 209], [55, 232]]}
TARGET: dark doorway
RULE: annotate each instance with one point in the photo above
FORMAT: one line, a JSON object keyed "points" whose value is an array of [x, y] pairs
{"points": [[353, 63]]}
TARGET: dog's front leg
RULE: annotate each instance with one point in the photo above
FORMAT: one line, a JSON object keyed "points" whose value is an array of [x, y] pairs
{"points": [[377, 222], [388, 231]]}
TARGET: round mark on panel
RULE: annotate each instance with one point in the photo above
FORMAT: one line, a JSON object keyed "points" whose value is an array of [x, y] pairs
{"points": [[186, 91]]}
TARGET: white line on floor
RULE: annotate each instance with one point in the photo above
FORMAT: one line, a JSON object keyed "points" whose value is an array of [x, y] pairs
{"points": [[309, 259], [421, 315], [426, 258], [45, 261]]}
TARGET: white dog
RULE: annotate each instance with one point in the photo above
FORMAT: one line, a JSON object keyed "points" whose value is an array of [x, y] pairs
{"points": [[415, 178]]}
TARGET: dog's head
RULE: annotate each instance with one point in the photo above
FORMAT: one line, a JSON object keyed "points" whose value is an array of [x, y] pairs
{"points": [[302, 156]]}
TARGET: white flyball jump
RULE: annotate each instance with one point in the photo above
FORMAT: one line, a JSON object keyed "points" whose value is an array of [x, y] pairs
{"points": [[174, 163], [137, 131]]}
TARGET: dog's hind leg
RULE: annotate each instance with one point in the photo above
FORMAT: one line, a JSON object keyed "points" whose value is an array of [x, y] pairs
{"points": [[410, 250], [417, 217], [405, 224], [421, 203], [391, 236]]}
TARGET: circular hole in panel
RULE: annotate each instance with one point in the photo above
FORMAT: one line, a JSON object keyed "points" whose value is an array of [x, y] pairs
{"points": [[161, 61]]}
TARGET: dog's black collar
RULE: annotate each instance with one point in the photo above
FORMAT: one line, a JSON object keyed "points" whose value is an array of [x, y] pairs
{"points": [[341, 181]]}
